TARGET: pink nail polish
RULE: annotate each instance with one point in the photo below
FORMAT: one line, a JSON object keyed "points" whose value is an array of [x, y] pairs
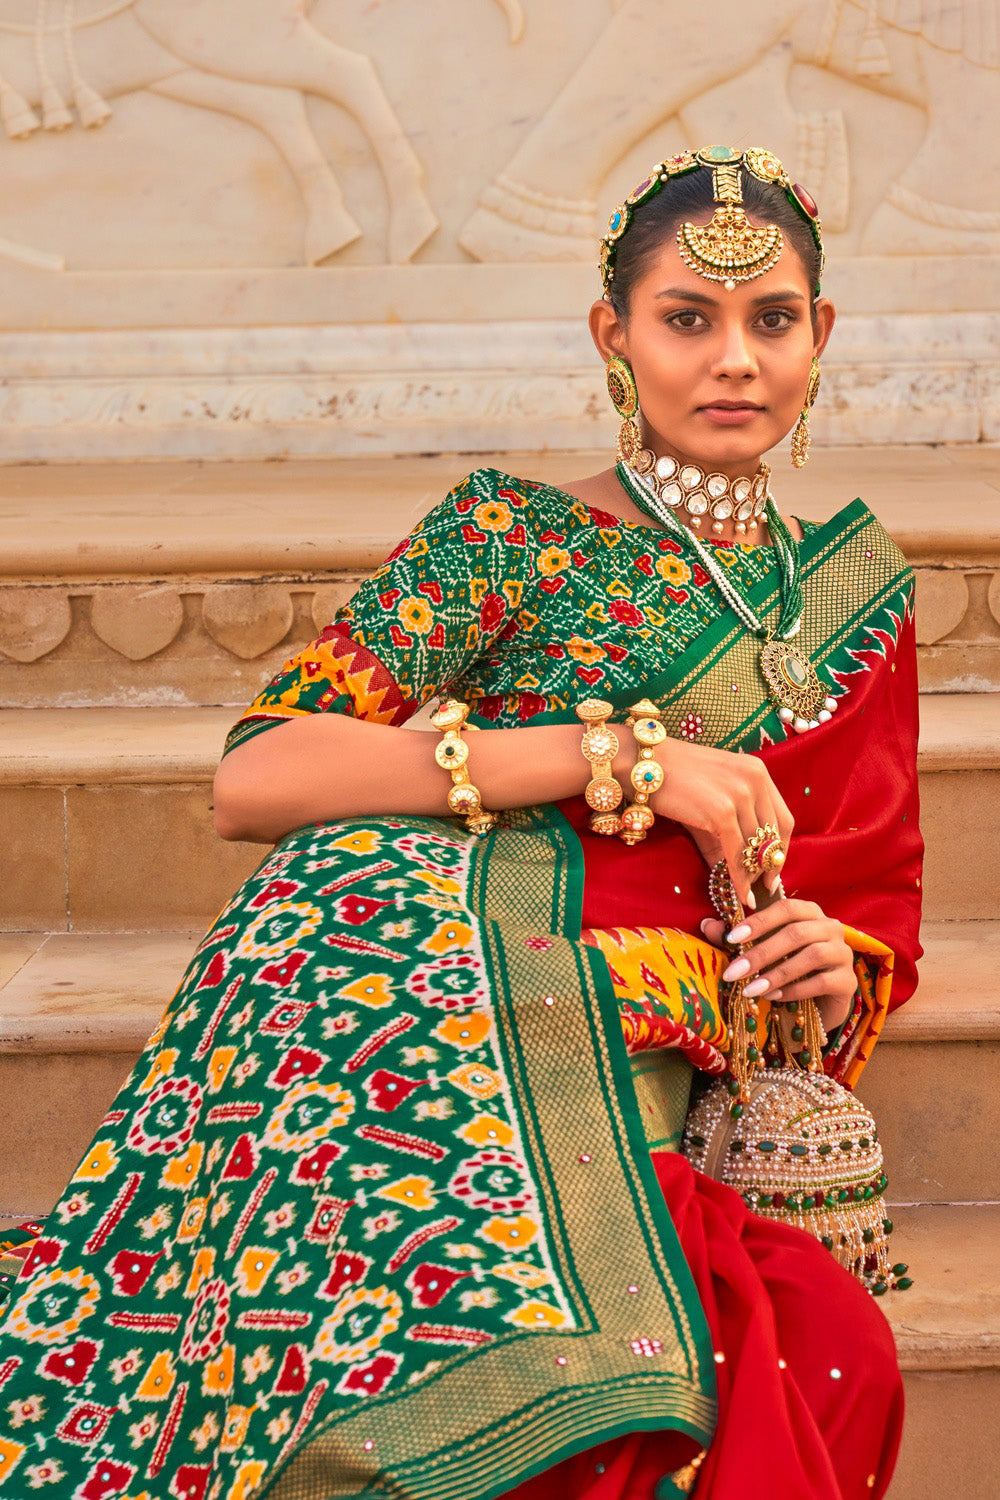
{"points": [[739, 934], [756, 986], [736, 970]]}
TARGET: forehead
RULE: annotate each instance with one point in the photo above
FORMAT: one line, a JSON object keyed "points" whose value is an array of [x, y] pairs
{"points": [[665, 268]]}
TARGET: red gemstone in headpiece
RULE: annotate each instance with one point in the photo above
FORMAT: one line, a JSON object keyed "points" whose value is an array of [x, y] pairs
{"points": [[807, 200]]}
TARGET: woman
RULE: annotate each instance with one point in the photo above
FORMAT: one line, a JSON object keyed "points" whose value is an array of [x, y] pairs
{"points": [[388, 1205]]}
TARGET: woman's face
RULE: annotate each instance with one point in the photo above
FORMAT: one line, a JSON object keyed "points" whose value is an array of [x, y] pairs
{"points": [[721, 376]]}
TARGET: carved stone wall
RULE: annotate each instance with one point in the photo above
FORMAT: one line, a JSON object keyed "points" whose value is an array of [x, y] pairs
{"points": [[245, 226]]}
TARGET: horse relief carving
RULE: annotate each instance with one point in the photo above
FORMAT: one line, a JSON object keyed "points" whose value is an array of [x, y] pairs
{"points": [[62, 62], [714, 78]]}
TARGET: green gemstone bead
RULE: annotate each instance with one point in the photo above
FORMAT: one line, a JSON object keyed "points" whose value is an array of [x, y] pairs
{"points": [[798, 1034], [736, 1111], [900, 1270], [868, 1236], [843, 1195], [888, 1225], [880, 1288], [797, 1149], [732, 1085], [846, 1145], [792, 1202], [805, 1057], [865, 1143], [859, 1194], [697, 1140], [764, 1200], [904, 1284], [825, 1149], [736, 1146], [767, 1146], [751, 1024], [827, 1241], [752, 1054], [829, 1201]]}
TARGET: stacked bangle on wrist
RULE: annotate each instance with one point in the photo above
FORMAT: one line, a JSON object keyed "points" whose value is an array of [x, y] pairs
{"points": [[646, 775], [451, 753], [600, 746]]}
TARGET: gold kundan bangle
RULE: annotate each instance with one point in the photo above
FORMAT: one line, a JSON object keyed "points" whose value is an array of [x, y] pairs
{"points": [[600, 746], [451, 753], [647, 774]]}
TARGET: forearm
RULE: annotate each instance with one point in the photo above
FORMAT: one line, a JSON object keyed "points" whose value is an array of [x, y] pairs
{"points": [[327, 766]]}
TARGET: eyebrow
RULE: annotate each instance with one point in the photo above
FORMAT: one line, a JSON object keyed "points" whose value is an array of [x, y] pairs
{"points": [[682, 294]]}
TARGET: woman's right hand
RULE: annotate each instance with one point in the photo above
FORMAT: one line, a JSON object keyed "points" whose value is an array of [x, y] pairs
{"points": [[721, 798]]}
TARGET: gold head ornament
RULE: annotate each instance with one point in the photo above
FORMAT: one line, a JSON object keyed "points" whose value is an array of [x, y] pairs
{"points": [[729, 249]]}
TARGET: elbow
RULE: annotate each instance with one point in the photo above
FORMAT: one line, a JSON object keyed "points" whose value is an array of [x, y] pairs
{"points": [[232, 809]]}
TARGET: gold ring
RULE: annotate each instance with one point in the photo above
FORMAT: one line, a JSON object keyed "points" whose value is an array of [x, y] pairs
{"points": [[764, 852]]}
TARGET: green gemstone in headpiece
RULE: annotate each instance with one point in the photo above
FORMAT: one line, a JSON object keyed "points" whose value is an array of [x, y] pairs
{"points": [[713, 155]]}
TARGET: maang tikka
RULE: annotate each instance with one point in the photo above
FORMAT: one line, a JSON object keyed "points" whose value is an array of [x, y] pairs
{"points": [[801, 436]]}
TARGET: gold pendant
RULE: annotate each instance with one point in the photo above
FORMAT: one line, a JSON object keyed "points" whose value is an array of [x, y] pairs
{"points": [[792, 680]]}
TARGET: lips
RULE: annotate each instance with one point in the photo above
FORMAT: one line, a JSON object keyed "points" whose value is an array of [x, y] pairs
{"points": [[730, 406]]}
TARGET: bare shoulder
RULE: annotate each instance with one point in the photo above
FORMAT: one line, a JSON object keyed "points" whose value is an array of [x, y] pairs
{"points": [[604, 492]]}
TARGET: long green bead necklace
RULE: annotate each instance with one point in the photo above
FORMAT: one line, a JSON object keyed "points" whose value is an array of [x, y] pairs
{"points": [[800, 698]]}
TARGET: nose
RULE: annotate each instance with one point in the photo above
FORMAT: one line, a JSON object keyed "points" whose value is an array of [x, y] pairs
{"points": [[734, 356]]}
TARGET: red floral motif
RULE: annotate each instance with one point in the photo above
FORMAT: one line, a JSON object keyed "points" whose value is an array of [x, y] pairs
{"points": [[206, 1322], [691, 726], [277, 890], [492, 611], [107, 1478], [430, 1284], [297, 1063], [314, 1166], [166, 1121], [347, 1270], [243, 1161], [368, 1380], [131, 1269], [386, 1091], [356, 910], [294, 1372], [85, 1423], [215, 973], [492, 1180], [44, 1252], [287, 1015], [699, 576], [626, 613], [281, 974], [191, 1481], [70, 1365]]}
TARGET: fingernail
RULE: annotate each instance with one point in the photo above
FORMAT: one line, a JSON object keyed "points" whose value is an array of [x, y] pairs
{"points": [[756, 987], [739, 934], [704, 926], [772, 882], [751, 901], [736, 970]]}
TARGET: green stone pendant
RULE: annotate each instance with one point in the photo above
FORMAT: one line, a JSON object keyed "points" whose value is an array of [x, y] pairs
{"points": [[798, 694]]}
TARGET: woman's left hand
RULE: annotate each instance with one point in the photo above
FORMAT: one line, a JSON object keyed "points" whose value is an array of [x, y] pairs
{"points": [[797, 953]]}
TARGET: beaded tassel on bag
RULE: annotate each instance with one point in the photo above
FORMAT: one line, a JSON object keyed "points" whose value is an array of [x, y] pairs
{"points": [[796, 1146]]}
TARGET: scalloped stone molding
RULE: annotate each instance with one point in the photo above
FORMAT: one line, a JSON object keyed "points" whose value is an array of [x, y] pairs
{"points": [[185, 641]]}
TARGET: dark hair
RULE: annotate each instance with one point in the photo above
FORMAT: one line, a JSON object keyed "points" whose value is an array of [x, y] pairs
{"points": [[690, 198]]}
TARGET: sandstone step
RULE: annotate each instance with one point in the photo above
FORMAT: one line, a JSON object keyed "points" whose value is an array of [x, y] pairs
{"points": [[107, 813], [188, 583], [946, 1328], [76, 1010]]}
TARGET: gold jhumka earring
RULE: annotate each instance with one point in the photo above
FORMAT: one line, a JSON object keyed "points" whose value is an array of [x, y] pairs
{"points": [[801, 437], [625, 400]]}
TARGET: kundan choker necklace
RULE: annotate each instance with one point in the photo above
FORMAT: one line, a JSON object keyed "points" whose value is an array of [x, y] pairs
{"points": [[689, 487], [798, 695]]}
